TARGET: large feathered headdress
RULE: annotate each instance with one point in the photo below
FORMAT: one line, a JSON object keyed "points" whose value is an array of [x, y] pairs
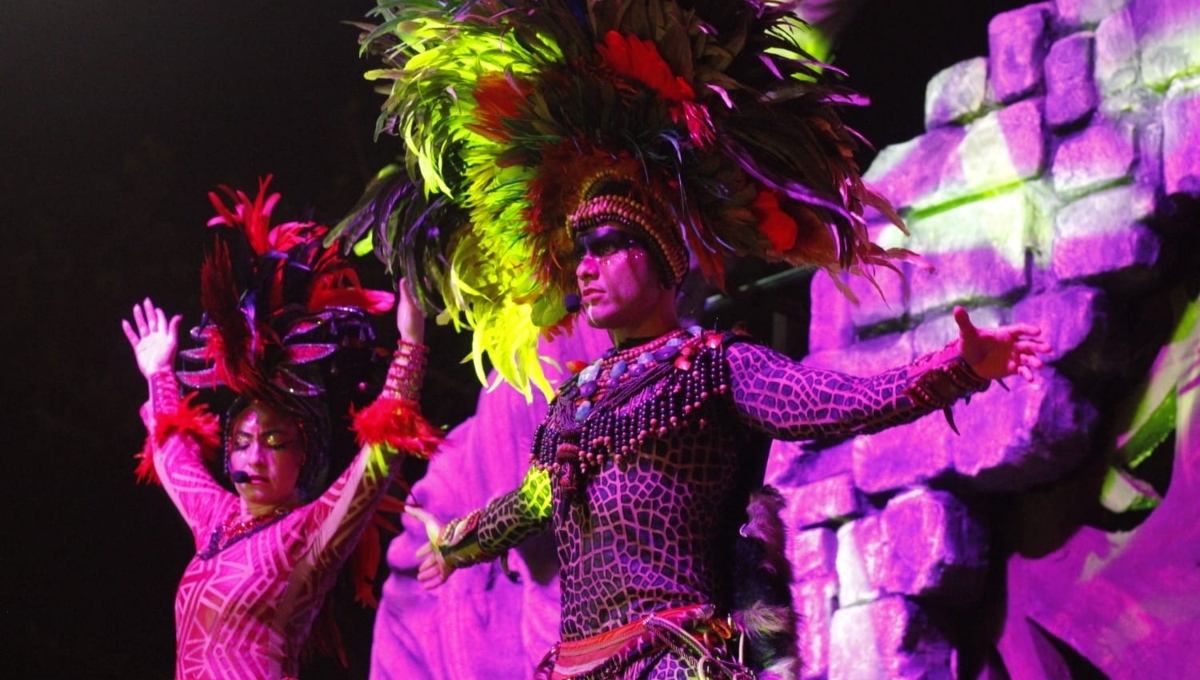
{"points": [[276, 302], [508, 110]]}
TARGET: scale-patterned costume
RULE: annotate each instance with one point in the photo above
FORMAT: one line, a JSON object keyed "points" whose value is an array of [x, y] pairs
{"points": [[645, 482]]}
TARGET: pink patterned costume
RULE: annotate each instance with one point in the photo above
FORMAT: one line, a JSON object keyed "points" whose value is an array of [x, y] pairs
{"points": [[246, 611], [283, 315]]}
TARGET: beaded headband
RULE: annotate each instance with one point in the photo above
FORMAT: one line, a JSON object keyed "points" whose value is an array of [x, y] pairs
{"points": [[606, 201]]}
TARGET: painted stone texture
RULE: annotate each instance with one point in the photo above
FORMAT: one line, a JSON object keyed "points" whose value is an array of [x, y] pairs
{"points": [[1057, 194]]}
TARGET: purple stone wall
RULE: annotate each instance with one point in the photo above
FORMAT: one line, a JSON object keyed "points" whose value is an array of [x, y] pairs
{"points": [[1038, 194]]}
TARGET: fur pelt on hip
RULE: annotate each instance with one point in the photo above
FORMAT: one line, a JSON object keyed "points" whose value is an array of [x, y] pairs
{"points": [[762, 606]]}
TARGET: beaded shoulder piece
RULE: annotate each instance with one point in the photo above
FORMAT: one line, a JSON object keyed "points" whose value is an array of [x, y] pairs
{"points": [[626, 399]]}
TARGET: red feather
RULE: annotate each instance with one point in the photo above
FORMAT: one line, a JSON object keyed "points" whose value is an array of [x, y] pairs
{"points": [[497, 99], [397, 424], [191, 419], [252, 217], [639, 60], [776, 225], [710, 260], [229, 341], [286, 236], [341, 287]]}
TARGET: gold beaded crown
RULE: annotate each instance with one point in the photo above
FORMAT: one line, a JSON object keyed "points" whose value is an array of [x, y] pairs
{"points": [[516, 115]]}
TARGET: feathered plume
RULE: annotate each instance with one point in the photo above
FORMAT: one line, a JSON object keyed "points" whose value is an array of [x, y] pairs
{"points": [[503, 106], [275, 301], [762, 607]]}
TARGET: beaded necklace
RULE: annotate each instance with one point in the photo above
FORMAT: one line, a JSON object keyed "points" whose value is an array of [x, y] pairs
{"points": [[616, 365], [670, 378], [233, 530]]}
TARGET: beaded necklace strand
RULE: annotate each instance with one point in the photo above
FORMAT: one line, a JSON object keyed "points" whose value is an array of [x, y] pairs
{"points": [[233, 530], [669, 382], [617, 365]]}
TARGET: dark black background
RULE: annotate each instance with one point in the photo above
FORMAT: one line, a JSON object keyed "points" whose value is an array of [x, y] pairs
{"points": [[116, 118]]}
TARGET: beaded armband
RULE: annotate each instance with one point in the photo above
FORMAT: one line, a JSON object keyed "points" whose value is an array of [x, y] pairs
{"points": [[394, 419], [164, 393], [941, 386], [407, 372], [458, 542]]}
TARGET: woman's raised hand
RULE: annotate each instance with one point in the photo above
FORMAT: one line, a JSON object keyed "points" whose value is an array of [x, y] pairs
{"points": [[152, 336], [995, 353]]}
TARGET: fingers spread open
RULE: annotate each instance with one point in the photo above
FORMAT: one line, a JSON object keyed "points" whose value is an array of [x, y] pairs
{"points": [[129, 333]]}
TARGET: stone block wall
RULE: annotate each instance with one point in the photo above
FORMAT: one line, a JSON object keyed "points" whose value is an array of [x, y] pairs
{"points": [[1037, 193]]}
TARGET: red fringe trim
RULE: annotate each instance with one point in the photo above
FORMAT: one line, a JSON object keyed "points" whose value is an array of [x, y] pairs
{"points": [[191, 419], [398, 424]]}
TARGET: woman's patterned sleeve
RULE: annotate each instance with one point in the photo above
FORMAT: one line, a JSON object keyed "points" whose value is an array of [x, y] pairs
{"points": [[179, 466], [791, 401], [391, 428], [349, 504], [509, 519]]}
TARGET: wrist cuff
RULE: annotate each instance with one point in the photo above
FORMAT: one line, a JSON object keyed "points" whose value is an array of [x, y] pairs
{"points": [[407, 372], [164, 393], [941, 386]]}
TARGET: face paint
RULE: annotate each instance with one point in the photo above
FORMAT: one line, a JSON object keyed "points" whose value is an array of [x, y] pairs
{"points": [[602, 242], [620, 285], [268, 448]]}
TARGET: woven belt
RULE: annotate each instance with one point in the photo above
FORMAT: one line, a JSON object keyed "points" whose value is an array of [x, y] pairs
{"points": [[689, 631]]}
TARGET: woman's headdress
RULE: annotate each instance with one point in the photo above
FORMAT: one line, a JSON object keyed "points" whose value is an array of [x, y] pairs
{"points": [[280, 312], [521, 118]]}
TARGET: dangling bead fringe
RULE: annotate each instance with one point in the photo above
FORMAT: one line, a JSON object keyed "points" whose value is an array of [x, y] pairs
{"points": [[627, 399]]}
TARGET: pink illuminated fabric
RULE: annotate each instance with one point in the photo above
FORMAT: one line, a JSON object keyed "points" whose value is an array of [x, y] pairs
{"points": [[247, 611], [478, 625]]}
